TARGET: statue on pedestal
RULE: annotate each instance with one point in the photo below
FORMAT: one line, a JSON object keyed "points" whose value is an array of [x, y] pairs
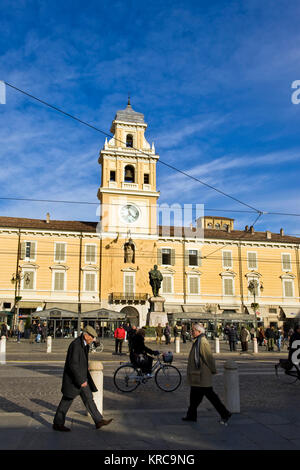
{"points": [[155, 278]]}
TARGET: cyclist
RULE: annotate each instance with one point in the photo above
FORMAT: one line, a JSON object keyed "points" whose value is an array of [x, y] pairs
{"points": [[139, 352]]}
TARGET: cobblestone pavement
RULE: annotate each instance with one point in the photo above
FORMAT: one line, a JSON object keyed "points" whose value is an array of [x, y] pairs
{"points": [[30, 384]]}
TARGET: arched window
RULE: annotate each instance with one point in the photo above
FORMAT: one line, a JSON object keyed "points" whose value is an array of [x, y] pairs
{"points": [[129, 141], [129, 174]]}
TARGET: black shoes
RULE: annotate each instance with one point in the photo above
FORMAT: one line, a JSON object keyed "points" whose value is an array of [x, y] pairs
{"points": [[225, 420], [60, 427], [103, 422]]}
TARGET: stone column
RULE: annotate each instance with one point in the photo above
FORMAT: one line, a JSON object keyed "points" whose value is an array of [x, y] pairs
{"points": [[232, 387], [96, 371]]}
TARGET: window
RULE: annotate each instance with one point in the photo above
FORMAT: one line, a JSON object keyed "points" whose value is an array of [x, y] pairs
{"points": [[166, 256], [227, 259], [90, 253], [252, 260], [129, 283], [167, 284], [129, 174], [59, 280], [28, 250], [193, 258], [286, 262], [272, 310], [90, 282], [28, 280], [112, 175], [228, 286], [60, 252], [194, 285], [129, 141], [146, 178], [217, 226], [6, 305], [288, 288]]}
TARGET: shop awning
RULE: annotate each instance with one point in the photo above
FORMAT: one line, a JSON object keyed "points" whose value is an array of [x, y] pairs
{"points": [[71, 307], [56, 313], [193, 316], [229, 306], [105, 314], [290, 312], [25, 304]]}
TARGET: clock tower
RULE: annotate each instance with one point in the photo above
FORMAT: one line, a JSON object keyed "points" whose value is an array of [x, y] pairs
{"points": [[128, 193]]}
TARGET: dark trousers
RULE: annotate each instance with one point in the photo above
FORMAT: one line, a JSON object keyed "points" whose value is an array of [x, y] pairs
{"points": [[168, 339], [118, 345], [232, 345], [86, 396], [196, 397], [244, 345]]}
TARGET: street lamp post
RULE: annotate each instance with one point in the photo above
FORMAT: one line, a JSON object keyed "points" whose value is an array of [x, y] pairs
{"points": [[16, 279], [253, 288]]}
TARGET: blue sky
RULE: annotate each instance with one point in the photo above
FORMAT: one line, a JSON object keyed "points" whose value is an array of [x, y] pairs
{"points": [[213, 80]]}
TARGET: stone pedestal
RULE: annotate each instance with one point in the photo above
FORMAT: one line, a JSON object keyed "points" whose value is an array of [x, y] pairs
{"points": [[157, 313]]}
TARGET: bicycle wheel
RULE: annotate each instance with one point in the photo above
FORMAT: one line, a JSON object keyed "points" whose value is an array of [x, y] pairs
{"points": [[100, 347], [286, 377], [168, 378], [126, 378]]}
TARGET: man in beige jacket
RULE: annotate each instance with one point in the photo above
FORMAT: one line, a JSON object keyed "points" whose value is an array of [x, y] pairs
{"points": [[201, 366]]}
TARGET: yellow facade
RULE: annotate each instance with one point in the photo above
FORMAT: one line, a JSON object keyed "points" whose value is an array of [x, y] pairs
{"points": [[82, 267]]}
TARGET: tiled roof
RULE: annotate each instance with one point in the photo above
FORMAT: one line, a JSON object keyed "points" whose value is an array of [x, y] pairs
{"points": [[163, 231]]}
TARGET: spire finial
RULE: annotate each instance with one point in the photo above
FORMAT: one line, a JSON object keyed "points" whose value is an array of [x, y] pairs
{"points": [[128, 100]]}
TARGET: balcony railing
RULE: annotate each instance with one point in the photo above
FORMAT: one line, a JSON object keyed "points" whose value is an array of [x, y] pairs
{"points": [[128, 297]]}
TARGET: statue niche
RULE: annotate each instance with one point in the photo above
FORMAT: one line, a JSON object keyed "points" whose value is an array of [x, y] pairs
{"points": [[129, 252]]}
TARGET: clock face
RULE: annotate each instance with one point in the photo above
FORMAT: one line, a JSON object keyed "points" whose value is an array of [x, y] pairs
{"points": [[129, 213]]}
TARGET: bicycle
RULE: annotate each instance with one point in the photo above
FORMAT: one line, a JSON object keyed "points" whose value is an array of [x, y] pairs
{"points": [[287, 371], [167, 377], [96, 346]]}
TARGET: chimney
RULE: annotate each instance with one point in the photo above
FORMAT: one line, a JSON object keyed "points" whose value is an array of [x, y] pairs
{"points": [[269, 235], [251, 229], [282, 232], [246, 228], [47, 218]]}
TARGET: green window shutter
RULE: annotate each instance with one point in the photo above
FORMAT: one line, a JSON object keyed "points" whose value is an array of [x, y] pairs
{"points": [[172, 257], [60, 251], [228, 286], [90, 254], [28, 282], [288, 288], [59, 279], [90, 282], [252, 261], [286, 262], [194, 285], [159, 256], [129, 284], [227, 259], [23, 250]]}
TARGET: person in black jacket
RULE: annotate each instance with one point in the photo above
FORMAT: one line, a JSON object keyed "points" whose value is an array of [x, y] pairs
{"points": [[78, 381], [139, 352], [232, 338]]}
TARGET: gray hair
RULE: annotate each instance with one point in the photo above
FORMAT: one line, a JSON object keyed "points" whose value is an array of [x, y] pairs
{"points": [[199, 327]]}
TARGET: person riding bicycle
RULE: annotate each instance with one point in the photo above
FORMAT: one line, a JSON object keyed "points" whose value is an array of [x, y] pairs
{"points": [[139, 352]]}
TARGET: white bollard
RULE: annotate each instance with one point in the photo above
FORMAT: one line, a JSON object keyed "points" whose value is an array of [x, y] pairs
{"points": [[3, 350], [49, 344], [217, 345], [96, 371], [75, 334], [177, 345], [232, 387], [255, 349]]}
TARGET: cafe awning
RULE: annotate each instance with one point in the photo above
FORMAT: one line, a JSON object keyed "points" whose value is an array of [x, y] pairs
{"points": [[290, 312], [28, 304]]}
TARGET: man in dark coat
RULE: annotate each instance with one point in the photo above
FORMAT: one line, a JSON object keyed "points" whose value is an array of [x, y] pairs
{"points": [[78, 381]]}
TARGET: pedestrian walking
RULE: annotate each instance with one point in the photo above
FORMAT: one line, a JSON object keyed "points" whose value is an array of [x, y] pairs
{"points": [[270, 336], [167, 333], [175, 333], [130, 335], [78, 381], [183, 332], [4, 330], [119, 335], [159, 333], [20, 330], [244, 337], [232, 338], [261, 336], [201, 366]]}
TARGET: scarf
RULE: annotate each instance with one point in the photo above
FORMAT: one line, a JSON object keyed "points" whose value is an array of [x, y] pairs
{"points": [[197, 350]]}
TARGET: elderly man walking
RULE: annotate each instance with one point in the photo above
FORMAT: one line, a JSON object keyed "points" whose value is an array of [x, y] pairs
{"points": [[201, 366], [78, 381]]}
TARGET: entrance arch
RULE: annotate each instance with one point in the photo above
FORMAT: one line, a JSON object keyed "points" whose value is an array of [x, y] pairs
{"points": [[132, 315]]}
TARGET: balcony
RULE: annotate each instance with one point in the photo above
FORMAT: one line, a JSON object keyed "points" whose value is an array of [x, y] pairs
{"points": [[127, 298]]}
